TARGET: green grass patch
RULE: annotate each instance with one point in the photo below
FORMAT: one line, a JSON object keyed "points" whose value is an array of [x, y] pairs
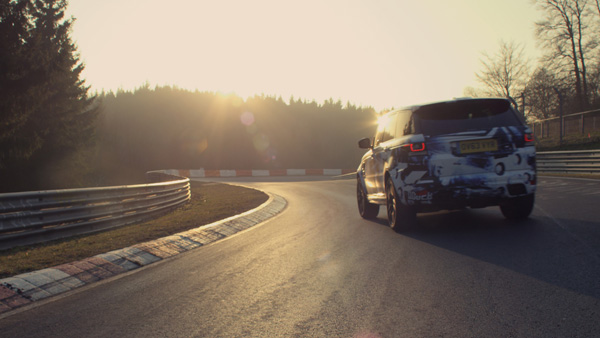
{"points": [[210, 202]]}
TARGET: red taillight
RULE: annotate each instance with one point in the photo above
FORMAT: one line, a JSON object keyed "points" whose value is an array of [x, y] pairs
{"points": [[416, 147], [528, 137]]}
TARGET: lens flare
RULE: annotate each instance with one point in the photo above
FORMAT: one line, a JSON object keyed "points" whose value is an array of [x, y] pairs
{"points": [[247, 118], [261, 142], [202, 146]]}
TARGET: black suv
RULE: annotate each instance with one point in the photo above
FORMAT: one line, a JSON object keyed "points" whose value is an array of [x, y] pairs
{"points": [[448, 155]]}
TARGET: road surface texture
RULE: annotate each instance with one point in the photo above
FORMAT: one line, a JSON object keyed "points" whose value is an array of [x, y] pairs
{"points": [[319, 270]]}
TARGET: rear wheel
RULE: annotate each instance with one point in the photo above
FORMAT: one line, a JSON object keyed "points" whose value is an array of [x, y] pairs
{"points": [[400, 216], [518, 207], [367, 210]]}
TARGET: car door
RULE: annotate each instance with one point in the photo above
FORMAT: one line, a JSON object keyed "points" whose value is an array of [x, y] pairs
{"points": [[375, 164], [370, 164]]}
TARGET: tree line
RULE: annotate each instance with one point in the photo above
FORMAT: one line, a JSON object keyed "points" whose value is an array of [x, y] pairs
{"points": [[168, 127], [567, 76]]}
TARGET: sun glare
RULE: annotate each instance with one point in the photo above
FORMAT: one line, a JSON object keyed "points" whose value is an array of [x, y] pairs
{"points": [[383, 121]]}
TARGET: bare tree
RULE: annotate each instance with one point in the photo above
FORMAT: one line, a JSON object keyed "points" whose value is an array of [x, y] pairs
{"points": [[541, 98], [563, 32], [505, 73]]}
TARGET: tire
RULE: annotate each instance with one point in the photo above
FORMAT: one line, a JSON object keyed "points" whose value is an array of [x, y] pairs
{"points": [[400, 216], [518, 208], [365, 209]]}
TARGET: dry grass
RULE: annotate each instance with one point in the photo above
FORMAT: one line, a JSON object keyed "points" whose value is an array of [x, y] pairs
{"points": [[210, 202]]}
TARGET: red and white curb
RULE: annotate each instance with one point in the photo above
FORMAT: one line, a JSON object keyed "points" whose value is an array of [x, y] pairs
{"points": [[201, 173], [29, 287]]}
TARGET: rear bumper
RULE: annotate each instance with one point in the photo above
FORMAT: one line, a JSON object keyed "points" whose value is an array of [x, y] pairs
{"points": [[477, 190]]}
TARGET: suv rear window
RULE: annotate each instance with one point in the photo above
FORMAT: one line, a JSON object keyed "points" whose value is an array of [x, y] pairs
{"points": [[461, 116]]}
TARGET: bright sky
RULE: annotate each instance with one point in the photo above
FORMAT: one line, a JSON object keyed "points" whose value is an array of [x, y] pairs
{"points": [[379, 53]]}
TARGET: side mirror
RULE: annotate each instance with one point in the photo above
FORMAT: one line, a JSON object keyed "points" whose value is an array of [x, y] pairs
{"points": [[365, 143]]}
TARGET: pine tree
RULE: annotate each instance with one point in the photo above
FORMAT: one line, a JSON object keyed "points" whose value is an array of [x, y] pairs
{"points": [[16, 99], [65, 120], [45, 108]]}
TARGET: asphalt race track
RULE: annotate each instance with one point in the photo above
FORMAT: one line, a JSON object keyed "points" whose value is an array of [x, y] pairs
{"points": [[319, 270]]}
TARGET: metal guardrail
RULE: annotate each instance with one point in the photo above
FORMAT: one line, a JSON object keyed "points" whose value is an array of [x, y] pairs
{"points": [[39, 216], [575, 161]]}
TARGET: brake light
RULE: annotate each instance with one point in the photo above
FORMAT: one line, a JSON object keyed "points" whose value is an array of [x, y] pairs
{"points": [[528, 137], [416, 147]]}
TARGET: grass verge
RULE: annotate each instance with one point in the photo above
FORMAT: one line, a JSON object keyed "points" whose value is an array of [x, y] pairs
{"points": [[210, 202], [571, 142]]}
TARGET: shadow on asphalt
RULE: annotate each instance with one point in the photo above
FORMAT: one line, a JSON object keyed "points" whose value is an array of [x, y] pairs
{"points": [[535, 247]]}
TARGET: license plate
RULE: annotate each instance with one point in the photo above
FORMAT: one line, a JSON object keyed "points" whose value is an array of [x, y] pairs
{"points": [[477, 146]]}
